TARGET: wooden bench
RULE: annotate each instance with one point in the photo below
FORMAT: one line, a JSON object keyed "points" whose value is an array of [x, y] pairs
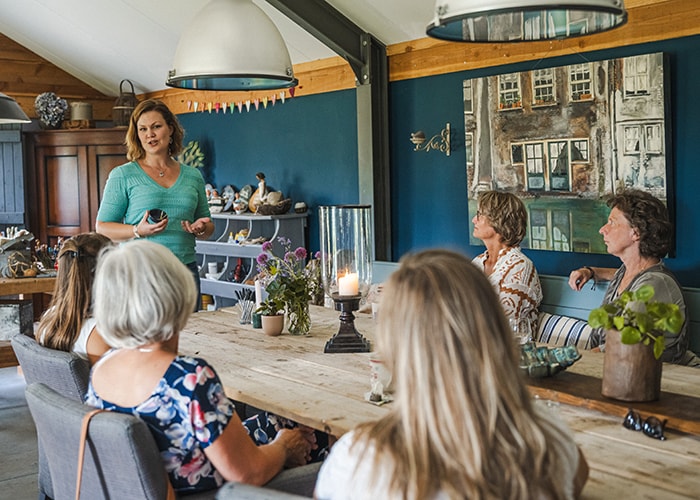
{"points": [[559, 299]]}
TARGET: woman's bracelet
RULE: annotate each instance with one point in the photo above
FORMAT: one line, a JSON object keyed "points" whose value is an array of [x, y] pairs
{"points": [[136, 231], [592, 277]]}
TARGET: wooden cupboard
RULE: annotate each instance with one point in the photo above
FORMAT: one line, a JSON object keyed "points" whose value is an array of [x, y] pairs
{"points": [[66, 171]]}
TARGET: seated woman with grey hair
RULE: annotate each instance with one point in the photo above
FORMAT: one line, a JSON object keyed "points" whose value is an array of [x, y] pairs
{"points": [[143, 297], [501, 223]]}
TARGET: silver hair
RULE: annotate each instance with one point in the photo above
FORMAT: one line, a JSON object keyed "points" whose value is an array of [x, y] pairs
{"points": [[142, 294]]}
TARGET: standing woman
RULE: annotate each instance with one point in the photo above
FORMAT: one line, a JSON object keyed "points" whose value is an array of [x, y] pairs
{"points": [[639, 233], [501, 222], [463, 423], [68, 324], [154, 179]]}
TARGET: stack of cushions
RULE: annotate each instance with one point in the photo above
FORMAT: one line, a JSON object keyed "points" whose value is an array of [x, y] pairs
{"points": [[562, 330]]}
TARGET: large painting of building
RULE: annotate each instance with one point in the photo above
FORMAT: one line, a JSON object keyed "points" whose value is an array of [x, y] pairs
{"points": [[565, 138]]}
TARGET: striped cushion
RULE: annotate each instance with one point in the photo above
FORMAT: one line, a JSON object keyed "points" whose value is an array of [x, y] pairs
{"points": [[563, 330]]}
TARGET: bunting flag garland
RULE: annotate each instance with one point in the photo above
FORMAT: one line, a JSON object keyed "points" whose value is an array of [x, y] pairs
{"points": [[232, 106]]}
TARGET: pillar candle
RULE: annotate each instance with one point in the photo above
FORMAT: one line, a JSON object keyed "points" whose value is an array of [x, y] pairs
{"points": [[258, 293], [348, 284]]}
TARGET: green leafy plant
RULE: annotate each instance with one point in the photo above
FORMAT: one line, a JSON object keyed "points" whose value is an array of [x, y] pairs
{"points": [[192, 155], [639, 319], [272, 306]]}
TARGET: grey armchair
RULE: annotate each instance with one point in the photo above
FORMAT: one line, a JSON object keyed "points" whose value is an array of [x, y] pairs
{"points": [[290, 484], [121, 456], [65, 372]]}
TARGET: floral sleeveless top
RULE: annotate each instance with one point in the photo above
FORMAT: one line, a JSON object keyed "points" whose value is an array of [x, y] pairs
{"points": [[187, 412]]}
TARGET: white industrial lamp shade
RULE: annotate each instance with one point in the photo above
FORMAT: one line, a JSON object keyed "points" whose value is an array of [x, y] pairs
{"points": [[523, 20], [231, 45], [10, 112]]}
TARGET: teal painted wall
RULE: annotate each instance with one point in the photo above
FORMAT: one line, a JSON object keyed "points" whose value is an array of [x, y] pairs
{"points": [[307, 148]]}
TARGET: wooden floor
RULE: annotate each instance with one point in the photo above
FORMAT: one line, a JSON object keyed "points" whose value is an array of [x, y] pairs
{"points": [[18, 458]]}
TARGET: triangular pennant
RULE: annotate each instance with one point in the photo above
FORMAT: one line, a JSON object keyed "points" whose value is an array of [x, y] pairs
{"points": [[217, 106], [257, 103], [291, 91], [196, 106], [282, 97], [224, 105], [239, 105], [247, 105], [265, 102], [189, 105], [209, 106], [274, 99]]}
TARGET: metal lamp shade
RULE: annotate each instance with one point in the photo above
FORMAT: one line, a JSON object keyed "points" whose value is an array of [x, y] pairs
{"points": [[10, 112], [346, 247], [231, 45], [523, 20]]}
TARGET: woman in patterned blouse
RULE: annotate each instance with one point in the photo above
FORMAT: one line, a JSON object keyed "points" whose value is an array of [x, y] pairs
{"points": [[143, 296], [501, 222]]}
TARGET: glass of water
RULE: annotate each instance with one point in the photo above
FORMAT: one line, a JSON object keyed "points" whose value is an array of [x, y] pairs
{"points": [[521, 330]]}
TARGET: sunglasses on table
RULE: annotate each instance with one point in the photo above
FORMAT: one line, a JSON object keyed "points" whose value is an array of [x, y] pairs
{"points": [[651, 426]]}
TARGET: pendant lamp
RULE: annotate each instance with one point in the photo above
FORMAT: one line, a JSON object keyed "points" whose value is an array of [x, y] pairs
{"points": [[523, 20], [10, 112], [231, 45]]}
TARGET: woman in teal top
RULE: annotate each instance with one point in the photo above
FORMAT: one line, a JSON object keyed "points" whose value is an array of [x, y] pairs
{"points": [[154, 179]]}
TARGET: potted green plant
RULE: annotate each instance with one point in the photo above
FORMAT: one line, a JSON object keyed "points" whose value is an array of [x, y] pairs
{"points": [[635, 326], [271, 312]]}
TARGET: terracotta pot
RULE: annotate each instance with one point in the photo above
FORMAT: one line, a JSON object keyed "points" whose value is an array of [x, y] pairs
{"points": [[630, 372], [272, 325]]}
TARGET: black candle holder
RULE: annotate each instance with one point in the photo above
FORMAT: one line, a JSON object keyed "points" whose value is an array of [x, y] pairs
{"points": [[348, 339]]}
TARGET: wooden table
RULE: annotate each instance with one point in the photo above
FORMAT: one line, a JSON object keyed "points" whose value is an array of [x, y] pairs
{"points": [[291, 376], [20, 286]]}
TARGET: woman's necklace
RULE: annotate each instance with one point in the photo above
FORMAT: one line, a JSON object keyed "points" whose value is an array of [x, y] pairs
{"points": [[161, 173]]}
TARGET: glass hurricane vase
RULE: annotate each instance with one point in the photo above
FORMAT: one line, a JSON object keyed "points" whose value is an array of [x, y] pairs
{"points": [[299, 320]]}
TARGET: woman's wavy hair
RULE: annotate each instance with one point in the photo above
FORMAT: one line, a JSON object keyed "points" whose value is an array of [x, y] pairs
{"points": [[71, 303], [463, 423], [507, 215], [649, 217], [142, 294], [134, 149]]}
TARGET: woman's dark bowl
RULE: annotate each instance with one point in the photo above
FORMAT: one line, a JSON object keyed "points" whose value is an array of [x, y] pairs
{"points": [[155, 215]]}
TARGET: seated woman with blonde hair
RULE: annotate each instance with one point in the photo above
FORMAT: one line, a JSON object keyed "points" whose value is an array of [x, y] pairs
{"points": [[68, 323], [143, 298], [463, 423]]}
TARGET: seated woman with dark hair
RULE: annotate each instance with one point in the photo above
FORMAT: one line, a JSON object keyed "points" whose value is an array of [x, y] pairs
{"points": [[68, 323], [463, 423], [639, 233], [143, 298], [501, 223]]}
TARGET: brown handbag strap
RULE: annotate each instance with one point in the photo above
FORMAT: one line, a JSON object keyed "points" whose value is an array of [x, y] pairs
{"points": [[81, 450], [81, 457]]}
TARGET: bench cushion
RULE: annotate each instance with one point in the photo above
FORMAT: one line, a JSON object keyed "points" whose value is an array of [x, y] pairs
{"points": [[554, 329]]}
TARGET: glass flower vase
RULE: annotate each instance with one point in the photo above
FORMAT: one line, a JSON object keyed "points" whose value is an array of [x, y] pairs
{"points": [[298, 318]]}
